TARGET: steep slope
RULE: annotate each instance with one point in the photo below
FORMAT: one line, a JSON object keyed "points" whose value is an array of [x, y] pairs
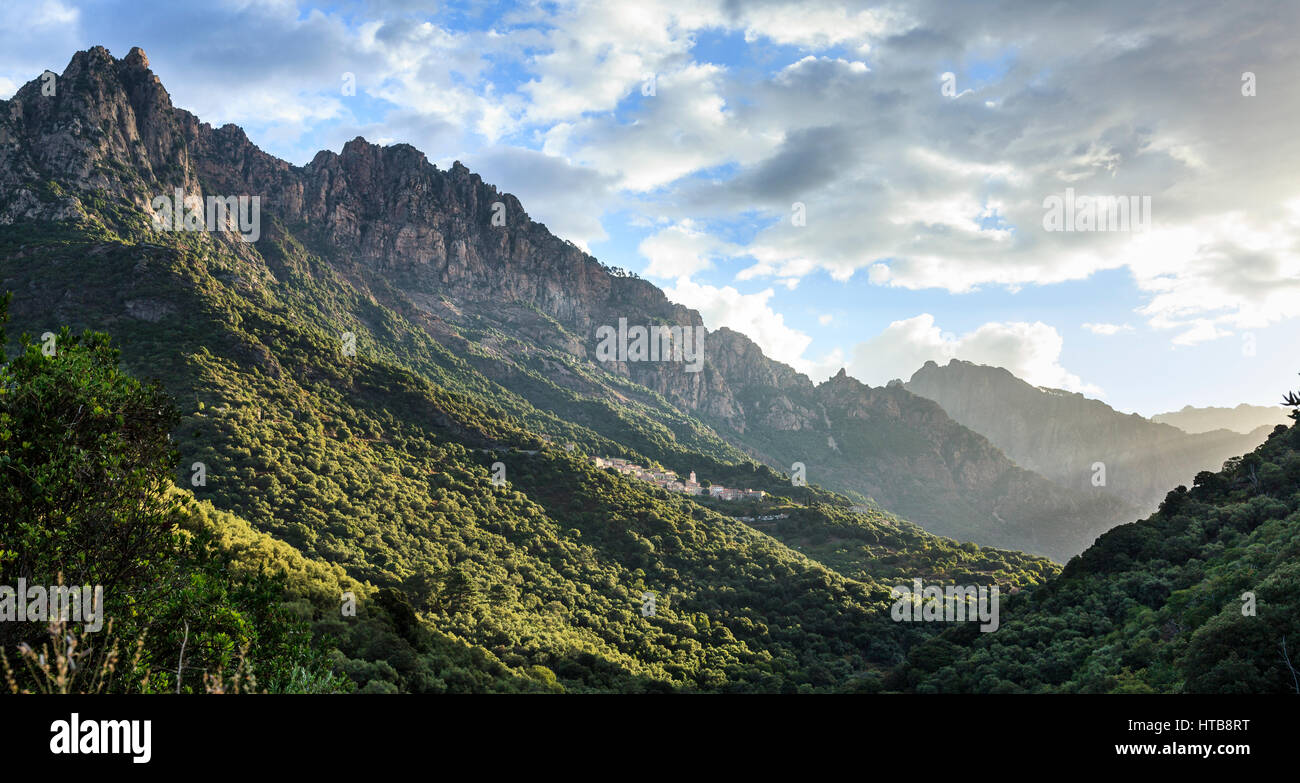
{"points": [[463, 264], [378, 460], [1244, 418], [1063, 435], [365, 465], [1201, 597]]}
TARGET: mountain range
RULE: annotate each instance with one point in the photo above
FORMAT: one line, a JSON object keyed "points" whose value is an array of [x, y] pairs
{"points": [[349, 380], [517, 304]]}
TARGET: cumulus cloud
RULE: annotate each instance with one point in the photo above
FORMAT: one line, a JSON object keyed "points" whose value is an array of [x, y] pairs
{"points": [[817, 24], [926, 192], [594, 54], [684, 128], [750, 314], [554, 191], [681, 250], [1030, 351]]}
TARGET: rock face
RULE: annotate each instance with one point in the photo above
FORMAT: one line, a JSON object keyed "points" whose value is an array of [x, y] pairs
{"points": [[445, 243], [1062, 435]]}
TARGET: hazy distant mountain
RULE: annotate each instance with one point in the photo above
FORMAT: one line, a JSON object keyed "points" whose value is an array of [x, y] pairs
{"points": [[1243, 418], [1072, 439]]}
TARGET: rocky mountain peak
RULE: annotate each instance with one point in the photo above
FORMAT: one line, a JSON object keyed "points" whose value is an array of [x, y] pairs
{"points": [[103, 125], [136, 58]]}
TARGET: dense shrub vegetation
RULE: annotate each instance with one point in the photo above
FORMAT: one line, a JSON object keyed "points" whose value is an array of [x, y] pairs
{"points": [[297, 473], [369, 473]]}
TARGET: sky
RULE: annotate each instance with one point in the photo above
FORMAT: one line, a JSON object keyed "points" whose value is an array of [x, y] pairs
{"points": [[856, 185]]}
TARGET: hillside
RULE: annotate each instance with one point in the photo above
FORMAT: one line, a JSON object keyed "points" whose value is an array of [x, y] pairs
{"points": [[1198, 598], [428, 281], [470, 348]]}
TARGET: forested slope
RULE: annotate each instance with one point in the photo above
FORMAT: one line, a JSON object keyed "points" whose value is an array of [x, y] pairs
{"points": [[1199, 597]]}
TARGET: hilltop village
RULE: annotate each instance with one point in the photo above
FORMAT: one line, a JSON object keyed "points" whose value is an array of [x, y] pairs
{"points": [[673, 483]]}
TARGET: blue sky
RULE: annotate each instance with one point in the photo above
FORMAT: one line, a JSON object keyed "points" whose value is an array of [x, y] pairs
{"points": [[680, 139]]}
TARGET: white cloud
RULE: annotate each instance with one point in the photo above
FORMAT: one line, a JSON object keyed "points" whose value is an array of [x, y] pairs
{"points": [[685, 127], [947, 195], [1236, 270], [49, 13], [1199, 331], [750, 314], [568, 199], [595, 54], [818, 25], [1030, 351], [681, 250], [1107, 330]]}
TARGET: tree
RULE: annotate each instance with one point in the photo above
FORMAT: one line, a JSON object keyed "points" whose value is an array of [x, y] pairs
{"points": [[458, 593], [86, 499], [85, 465], [1292, 400]]}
